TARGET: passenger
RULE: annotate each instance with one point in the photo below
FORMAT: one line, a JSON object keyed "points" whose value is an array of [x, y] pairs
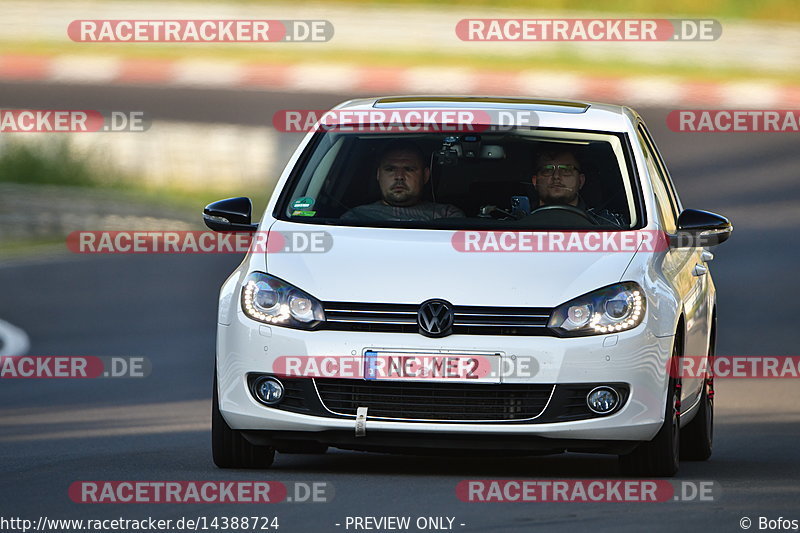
{"points": [[558, 180]]}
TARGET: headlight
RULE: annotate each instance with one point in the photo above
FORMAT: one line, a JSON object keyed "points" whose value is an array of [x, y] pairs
{"points": [[611, 309], [271, 300]]}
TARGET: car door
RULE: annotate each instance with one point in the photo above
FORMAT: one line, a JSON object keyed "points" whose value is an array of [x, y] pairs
{"points": [[683, 267]]}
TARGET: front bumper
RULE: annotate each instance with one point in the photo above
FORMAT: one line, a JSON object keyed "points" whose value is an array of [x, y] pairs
{"points": [[635, 358], [437, 443]]}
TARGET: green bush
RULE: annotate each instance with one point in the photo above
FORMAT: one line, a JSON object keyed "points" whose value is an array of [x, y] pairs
{"points": [[52, 162]]}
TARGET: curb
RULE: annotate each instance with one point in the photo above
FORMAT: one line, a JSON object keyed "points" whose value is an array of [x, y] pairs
{"points": [[360, 80]]}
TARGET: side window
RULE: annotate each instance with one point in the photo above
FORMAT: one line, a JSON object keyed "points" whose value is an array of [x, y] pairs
{"points": [[676, 202], [665, 202], [310, 196]]}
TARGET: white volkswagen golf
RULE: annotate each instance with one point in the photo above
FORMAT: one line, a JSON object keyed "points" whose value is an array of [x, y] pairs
{"points": [[469, 274]]}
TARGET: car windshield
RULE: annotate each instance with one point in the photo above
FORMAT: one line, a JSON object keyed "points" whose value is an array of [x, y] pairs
{"points": [[526, 178]]}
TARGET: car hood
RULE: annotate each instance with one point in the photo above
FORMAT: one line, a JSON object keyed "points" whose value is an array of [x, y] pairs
{"points": [[389, 265]]}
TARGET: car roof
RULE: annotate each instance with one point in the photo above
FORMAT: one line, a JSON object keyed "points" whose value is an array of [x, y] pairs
{"points": [[550, 112]]}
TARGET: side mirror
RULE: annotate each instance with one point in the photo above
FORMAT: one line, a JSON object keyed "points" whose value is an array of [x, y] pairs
{"points": [[698, 229], [233, 214]]}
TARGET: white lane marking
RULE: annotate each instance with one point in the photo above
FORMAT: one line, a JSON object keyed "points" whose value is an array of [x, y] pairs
{"points": [[437, 79], [323, 77], [15, 341], [82, 69], [753, 94], [202, 73]]}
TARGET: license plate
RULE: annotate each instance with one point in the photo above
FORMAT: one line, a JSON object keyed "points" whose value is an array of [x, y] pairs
{"points": [[455, 367]]}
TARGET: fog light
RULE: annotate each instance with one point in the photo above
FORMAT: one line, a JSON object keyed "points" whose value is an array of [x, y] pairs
{"points": [[268, 390], [602, 400]]}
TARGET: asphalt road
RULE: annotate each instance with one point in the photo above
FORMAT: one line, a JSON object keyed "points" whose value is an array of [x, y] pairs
{"points": [[55, 432]]}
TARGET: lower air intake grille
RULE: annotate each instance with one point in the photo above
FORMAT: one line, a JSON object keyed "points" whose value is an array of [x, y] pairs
{"points": [[434, 400]]}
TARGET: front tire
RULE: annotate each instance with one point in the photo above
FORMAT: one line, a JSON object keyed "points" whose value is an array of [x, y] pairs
{"points": [[698, 435], [229, 447], [661, 456]]}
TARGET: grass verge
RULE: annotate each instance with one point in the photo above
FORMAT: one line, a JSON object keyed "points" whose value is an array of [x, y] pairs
{"points": [[89, 176], [762, 10]]}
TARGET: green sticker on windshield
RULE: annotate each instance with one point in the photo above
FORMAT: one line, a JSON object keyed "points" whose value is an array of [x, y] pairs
{"points": [[303, 213], [304, 202]]}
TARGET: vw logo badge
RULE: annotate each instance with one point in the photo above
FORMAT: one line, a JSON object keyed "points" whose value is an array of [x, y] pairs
{"points": [[435, 318]]}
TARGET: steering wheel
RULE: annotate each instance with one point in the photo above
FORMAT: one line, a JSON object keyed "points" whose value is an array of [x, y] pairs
{"points": [[568, 208]]}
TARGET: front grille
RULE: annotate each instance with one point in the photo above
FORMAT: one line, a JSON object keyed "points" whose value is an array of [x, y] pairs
{"points": [[468, 320], [435, 400]]}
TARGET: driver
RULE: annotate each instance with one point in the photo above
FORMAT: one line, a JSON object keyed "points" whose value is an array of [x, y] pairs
{"points": [[402, 174], [558, 179]]}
